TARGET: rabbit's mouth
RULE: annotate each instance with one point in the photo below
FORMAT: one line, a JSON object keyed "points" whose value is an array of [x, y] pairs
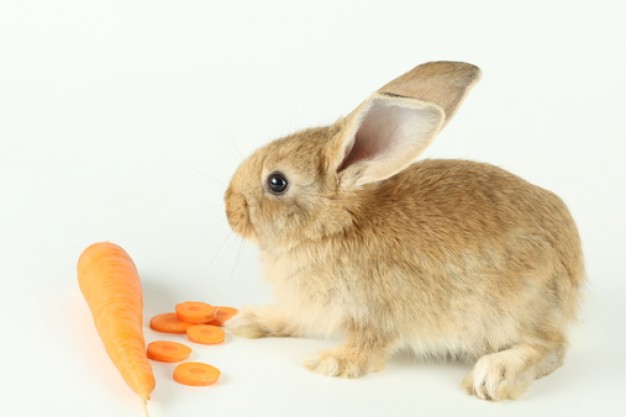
{"points": [[237, 214]]}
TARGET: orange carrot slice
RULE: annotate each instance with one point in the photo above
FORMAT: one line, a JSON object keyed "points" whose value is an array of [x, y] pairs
{"points": [[165, 351], [223, 314], [196, 374], [205, 334], [168, 323], [110, 284], [195, 312]]}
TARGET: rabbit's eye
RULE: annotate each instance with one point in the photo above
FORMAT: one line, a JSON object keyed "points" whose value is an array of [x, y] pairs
{"points": [[277, 183]]}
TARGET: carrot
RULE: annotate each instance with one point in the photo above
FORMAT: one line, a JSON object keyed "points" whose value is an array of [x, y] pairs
{"points": [[168, 323], [108, 279], [165, 351], [195, 312], [205, 334], [223, 314], [196, 374]]}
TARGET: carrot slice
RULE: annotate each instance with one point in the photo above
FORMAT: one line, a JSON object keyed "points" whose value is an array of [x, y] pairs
{"points": [[223, 314], [165, 351], [205, 334], [168, 323], [195, 312], [196, 374]]}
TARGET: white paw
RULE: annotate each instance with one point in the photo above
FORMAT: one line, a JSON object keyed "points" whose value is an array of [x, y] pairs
{"points": [[496, 377], [246, 324], [336, 362]]}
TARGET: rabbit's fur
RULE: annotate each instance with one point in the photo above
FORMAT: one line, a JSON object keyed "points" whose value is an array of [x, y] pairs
{"points": [[448, 258]]}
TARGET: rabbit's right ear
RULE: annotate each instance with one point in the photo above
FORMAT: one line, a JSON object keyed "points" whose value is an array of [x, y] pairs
{"points": [[383, 136], [386, 133]]}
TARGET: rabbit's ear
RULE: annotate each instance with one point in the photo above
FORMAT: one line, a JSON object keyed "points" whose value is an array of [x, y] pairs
{"points": [[382, 137], [444, 83]]}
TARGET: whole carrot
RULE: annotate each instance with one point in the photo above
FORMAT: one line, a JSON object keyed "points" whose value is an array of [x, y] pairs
{"points": [[109, 282]]}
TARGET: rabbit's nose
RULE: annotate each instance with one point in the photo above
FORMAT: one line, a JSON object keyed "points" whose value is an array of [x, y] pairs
{"points": [[237, 214]]}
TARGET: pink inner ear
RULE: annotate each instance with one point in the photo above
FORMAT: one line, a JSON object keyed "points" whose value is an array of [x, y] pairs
{"points": [[377, 134], [354, 154]]}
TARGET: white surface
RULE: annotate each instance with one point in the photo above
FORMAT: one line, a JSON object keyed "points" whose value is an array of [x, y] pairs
{"points": [[123, 121]]}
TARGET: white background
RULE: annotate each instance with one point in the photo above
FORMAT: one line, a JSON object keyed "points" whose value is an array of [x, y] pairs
{"points": [[123, 121]]}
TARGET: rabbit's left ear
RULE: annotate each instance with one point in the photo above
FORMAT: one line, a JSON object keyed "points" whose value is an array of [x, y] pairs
{"points": [[445, 83], [382, 137]]}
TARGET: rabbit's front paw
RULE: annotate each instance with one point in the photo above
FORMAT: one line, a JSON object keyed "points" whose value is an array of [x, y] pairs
{"points": [[246, 324], [343, 363], [254, 322]]}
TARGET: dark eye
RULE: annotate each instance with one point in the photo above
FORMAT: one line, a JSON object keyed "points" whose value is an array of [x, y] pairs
{"points": [[277, 183]]}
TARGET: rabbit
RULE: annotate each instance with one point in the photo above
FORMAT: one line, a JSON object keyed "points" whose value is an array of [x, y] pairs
{"points": [[450, 259]]}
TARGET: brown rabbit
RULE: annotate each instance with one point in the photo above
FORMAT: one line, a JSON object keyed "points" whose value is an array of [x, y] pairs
{"points": [[448, 258]]}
